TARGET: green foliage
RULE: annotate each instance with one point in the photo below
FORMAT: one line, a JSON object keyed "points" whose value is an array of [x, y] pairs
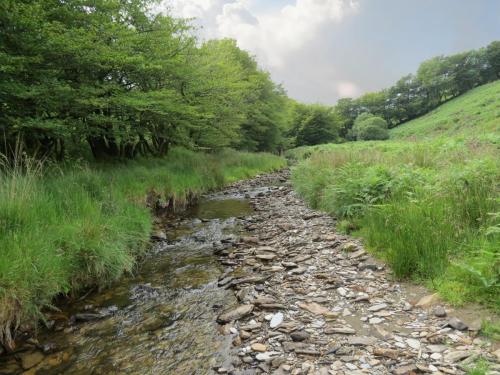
{"points": [[313, 124], [480, 367], [68, 229], [112, 79], [491, 329], [368, 127]]}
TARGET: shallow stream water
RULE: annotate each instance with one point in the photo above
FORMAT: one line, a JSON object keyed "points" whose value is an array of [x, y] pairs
{"points": [[162, 319]]}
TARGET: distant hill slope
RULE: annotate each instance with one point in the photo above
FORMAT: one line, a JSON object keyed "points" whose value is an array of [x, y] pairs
{"points": [[476, 113]]}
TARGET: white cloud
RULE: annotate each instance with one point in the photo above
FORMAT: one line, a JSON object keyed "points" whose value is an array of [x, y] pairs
{"points": [[273, 36], [270, 36]]}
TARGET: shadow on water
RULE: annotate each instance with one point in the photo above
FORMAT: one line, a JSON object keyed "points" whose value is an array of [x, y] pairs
{"points": [[160, 320]]}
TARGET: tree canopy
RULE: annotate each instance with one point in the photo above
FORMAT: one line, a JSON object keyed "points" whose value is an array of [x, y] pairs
{"points": [[113, 79]]}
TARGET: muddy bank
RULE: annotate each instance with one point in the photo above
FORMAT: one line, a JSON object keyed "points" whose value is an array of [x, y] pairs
{"points": [[248, 282]]}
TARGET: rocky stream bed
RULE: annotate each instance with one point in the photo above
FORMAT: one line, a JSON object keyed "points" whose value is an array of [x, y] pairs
{"points": [[252, 281]]}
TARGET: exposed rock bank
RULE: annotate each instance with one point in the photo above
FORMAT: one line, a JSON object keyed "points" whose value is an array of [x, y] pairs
{"points": [[313, 302]]}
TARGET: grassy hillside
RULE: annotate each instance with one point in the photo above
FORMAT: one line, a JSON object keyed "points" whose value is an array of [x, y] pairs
{"points": [[61, 231], [427, 201], [474, 114]]}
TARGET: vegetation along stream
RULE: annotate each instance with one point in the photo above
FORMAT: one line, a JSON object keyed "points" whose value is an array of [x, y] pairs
{"points": [[161, 319]]}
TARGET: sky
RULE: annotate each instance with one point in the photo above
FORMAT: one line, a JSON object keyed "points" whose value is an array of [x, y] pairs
{"points": [[323, 50]]}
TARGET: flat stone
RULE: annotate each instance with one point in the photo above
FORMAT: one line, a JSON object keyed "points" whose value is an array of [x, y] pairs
{"points": [[428, 301], [375, 320], [258, 347], [298, 271], [361, 340], [378, 307], [405, 370], [235, 314], [413, 343], [457, 324], [437, 348], [263, 357], [357, 254], [265, 256], [276, 320], [436, 356], [317, 309], [384, 352], [340, 330], [456, 356]]}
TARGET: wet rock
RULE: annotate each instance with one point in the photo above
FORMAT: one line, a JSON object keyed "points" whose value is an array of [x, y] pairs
{"points": [[159, 235], [457, 324], [235, 314], [49, 347], [31, 359]]}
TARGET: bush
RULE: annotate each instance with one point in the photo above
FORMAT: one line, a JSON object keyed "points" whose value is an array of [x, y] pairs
{"points": [[368, 127]]}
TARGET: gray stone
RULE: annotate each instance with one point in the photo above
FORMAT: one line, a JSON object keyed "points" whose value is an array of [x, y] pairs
{"points": [[457, 324]]}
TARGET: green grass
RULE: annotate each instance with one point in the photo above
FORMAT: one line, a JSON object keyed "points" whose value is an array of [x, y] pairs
{"points": [[480, 367], [67, 229], [476, 114], [428, 204]]}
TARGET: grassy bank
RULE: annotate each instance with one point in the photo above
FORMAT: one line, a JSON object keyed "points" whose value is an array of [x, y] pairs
{"points": [[63, 230], [426, 201]]}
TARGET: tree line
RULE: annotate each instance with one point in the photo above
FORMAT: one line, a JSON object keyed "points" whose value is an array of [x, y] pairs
{"points": [[437, 80], [112, 78]]}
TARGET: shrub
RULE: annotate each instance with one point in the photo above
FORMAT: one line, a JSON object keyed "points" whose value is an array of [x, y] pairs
{"points": [[368, 127]]}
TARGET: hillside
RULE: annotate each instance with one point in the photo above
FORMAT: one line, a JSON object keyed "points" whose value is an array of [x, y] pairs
{"points": [[476, 113], [426, 200]]}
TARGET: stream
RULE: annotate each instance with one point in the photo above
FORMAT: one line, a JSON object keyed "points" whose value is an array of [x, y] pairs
{"points": [[162, 319]]}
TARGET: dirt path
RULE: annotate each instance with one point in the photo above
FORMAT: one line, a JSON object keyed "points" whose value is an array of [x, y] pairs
{"points": [[314, 302]]}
